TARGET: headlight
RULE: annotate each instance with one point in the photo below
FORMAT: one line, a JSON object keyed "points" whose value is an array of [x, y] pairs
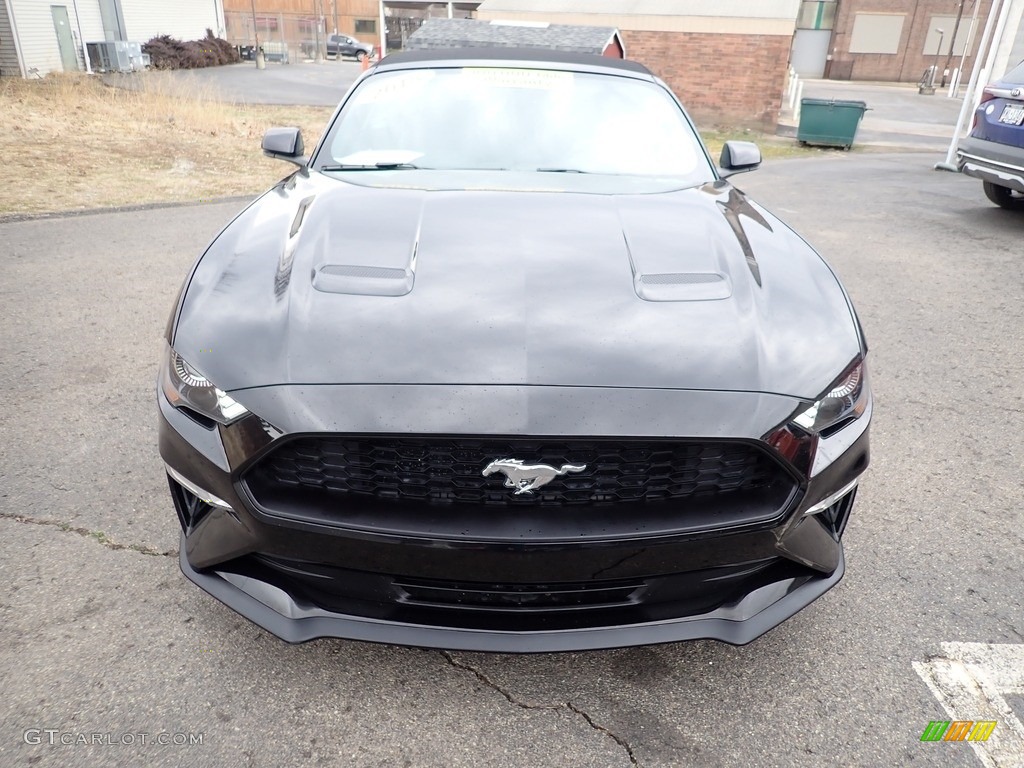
{"points": [[185, 387], [845, 401]]}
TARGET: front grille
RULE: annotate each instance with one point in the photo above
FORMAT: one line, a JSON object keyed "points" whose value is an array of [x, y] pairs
{"points": [[519, 597], [448, 470]]}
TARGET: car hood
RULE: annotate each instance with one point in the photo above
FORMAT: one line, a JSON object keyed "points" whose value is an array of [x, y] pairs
{"points": [[326, 282]]}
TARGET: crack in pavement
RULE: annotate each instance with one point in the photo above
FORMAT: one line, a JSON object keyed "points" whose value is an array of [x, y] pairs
{"points": [[526, 705], [598, 727], [98, 536]]}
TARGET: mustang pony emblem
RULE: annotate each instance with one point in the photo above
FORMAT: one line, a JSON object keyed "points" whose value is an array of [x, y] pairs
{"points": [[526, 478]]}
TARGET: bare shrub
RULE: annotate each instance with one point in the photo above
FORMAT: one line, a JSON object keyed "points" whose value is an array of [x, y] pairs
{"points": [[166, 52]]}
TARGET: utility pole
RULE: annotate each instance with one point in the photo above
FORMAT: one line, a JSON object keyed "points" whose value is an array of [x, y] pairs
{"points": [[831, 55], [318, 19], [952, 41], [261, 63]]}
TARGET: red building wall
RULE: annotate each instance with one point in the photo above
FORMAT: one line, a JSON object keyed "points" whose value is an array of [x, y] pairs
{"points": [[723, 80], [908, 64]]}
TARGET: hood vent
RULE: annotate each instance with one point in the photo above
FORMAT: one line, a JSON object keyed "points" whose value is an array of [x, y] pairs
{"points": [[362, 280], [682, 286]]}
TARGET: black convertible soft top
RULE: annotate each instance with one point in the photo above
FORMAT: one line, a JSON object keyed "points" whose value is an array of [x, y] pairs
{"points": [[458, 56]]}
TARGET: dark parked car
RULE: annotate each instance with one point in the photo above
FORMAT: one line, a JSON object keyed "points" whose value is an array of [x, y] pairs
{"points": [[343, 45], [507, 364], [994, 152]]}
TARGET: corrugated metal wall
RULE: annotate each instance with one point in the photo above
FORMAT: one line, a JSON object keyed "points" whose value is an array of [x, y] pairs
{"points": [[34, 22], [183, 19], [91, 21], [9, 66], [38, 39], [144, 19]]}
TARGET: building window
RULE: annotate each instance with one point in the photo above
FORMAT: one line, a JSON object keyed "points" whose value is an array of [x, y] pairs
{"points": [[366, 26], [816, 14], [877, 33], [946, 24]]}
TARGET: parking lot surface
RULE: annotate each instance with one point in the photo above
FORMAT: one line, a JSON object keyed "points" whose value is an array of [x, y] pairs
{"points": [[302, 82], [102, 639]]}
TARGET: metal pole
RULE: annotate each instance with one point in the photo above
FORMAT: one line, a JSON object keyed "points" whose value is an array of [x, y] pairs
{"points": [[948, 164], [999, 53], [451, 10], [938, 55], [952, 41], [383, 31], [261, 63], [997, 39], [318, 57], [970, 36], [81, 38]]}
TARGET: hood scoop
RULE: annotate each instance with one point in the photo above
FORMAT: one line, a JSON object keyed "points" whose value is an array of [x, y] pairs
{"points": [[361, 280], [675, 250], [682, 286], [359, 250]]}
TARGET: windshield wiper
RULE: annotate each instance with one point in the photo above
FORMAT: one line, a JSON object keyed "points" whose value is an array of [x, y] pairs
{"points": [[382, 166], [560, 170]]}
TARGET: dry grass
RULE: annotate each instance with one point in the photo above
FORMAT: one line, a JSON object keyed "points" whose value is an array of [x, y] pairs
{"points": [[772, 147], [70, 142]]}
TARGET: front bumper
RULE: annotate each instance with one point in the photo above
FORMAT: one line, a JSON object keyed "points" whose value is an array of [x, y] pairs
{"points": [[303, 579], [999, 164], [297, 621]]}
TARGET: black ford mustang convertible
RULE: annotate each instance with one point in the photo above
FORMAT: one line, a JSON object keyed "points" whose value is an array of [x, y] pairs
{"points": [[506, 364]]}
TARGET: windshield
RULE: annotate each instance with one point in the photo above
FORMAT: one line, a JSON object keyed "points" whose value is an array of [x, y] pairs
{"points": [[497, 119]]}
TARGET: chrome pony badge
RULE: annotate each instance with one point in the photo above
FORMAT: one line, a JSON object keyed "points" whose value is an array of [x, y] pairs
{"points": [[526, 478], [1016, 92]]}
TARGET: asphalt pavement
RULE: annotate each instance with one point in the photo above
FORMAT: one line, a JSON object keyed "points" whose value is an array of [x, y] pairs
{"points": [[304, 83], [103, 641]]}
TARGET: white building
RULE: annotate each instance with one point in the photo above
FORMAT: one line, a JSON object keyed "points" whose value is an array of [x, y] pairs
{"points": [[41, 36]]}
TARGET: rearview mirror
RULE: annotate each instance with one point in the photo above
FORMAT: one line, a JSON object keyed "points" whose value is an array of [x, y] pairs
{"points": [[285, 144], [739, 157]]}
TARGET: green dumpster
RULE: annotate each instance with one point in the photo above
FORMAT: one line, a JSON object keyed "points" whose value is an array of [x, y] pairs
{"points": [[829, 122]]}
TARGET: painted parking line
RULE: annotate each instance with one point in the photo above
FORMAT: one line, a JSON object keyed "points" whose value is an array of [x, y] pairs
{"points": [[972, 681]]}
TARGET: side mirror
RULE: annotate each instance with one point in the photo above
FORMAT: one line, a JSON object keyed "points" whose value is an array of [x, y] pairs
{"points": [[285, 144], [739, 157]]}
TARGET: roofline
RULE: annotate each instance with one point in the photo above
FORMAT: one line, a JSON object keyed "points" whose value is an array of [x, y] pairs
{"points": [[527, 58], [618, 39]]}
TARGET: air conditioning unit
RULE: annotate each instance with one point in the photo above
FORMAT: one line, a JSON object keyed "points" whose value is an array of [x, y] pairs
{"points": [[117, 56]]}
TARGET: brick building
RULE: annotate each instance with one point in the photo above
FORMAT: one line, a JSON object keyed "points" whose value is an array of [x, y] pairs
{"points": [[897, 40], [726, 59]]}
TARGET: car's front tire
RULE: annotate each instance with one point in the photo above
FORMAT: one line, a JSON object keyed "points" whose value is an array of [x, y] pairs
{"points": [[360, 55], [1004, 197]]}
